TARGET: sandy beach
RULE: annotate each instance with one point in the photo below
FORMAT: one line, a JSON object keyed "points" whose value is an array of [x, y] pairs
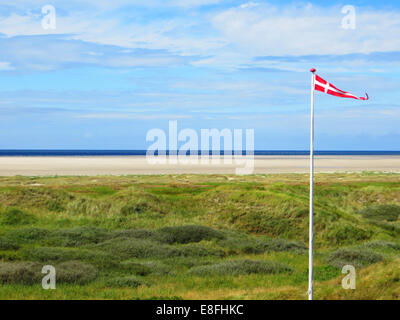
{"points": [[125, 165]]}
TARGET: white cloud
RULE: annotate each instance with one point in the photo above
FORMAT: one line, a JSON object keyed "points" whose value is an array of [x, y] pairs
{"points": [[225, 38], [293, 30], [97, 26], [51, 52], [248, 5]]}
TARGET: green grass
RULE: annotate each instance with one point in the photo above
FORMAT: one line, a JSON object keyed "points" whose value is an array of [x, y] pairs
{"points": [[126, 281], [198, 236], [386, 212], [14, 216]]}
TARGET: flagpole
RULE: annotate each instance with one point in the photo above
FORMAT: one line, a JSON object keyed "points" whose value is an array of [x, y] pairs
{"points": [[311, 219]]}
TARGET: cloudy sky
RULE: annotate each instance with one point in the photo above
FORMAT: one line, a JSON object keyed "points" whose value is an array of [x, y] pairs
{"points": [[112, 70]]}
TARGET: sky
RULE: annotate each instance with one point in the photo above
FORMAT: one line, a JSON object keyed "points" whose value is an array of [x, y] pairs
{"points": [[110, 71]]}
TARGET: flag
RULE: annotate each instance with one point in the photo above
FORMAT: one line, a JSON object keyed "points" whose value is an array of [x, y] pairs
{"points": [[319, 84], [324, 86]]}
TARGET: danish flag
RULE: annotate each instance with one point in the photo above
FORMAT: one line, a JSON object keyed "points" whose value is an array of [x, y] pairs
{"points": [[319, 84], [324, 86]]}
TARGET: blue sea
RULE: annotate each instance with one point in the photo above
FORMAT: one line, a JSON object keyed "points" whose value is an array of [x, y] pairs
{"points": [[52, 153]]}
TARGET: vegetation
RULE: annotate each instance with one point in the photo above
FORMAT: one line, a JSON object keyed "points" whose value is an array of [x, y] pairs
{"points": [[29, 273], [385, 212], [241, 267], [356, 258], [14, 216], [198, 236], [127, 281]]}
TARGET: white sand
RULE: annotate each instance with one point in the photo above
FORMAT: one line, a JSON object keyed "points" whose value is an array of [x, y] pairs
{"points": [[124, 165]]}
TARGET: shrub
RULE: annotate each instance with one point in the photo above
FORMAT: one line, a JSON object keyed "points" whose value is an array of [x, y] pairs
{"points": [[28, 234], [136, 248], [79, 236], [140, 248], [354, 257], [6, 244], [379, 244], [187, 234], [273, 245], [134, 233], [128, 281], [53, 255], [387, 212], [20, 273], [188, 262], [30, 273], [241, 267], [347, 234], [75, 272], [15, 216], [49, 255]]}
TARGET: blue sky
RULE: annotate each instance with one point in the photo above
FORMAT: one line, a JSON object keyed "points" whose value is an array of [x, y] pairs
{"points": [[112, 70]]}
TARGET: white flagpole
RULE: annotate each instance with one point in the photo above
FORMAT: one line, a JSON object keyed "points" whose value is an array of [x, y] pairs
{"points": [[311, 234]]}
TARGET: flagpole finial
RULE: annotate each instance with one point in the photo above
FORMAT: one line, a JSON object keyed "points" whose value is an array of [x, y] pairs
{"points": [[313, 70]]}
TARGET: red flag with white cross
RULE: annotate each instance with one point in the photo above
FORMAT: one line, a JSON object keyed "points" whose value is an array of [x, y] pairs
{"points": [[319, 84], [324, 86]]}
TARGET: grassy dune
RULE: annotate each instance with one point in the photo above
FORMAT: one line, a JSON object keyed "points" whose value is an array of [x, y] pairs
{"points": [[198, 236]]}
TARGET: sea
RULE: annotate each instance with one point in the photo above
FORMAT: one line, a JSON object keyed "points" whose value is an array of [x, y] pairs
{"points": [[91, 153]]}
